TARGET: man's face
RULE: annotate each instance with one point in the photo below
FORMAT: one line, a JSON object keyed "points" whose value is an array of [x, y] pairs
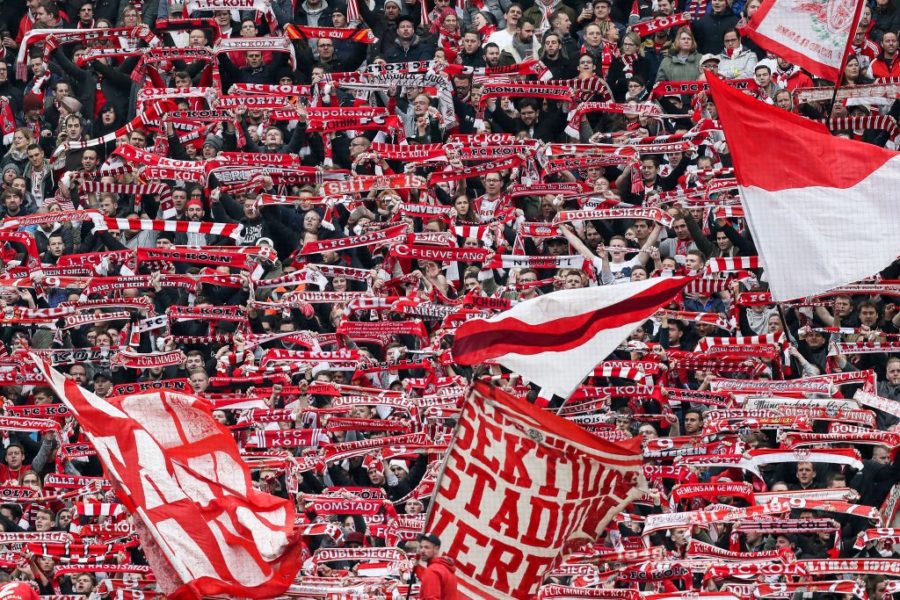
{"points": [[470, 43], [73, 129], [889, 43], [63, 90], [179, 199], [641, 230], [783, 101], [108, 206], [89, 160], [492, 56], [326, 49], [42, 17], [763, 77], [526, 33], [36, 158], [13, 203], [463, 87], [14, 457], [405, 31], [719, 6], [601, 11], [427, 550], [551, 46], [842, 307], [254, 60], [78, 374], [562, 23], [83, 584], [681, 230], [391, 11], [42, 522], [274, 138], [529, 115], [194, 213], [55, 246], [37, 66], [648, 170], [399, 472], [665, 6], [805, 473], [492, 184], [137, 139], [693, 263], [572, 282], [222, 17], [868, 316], [881, 455], [86, 13], [197, 39], [513, 15], [692, 423], [731, 38], [199, 381]]}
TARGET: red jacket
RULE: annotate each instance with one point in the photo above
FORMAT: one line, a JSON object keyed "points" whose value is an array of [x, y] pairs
{"points": [[883, 69], [439, 580]]}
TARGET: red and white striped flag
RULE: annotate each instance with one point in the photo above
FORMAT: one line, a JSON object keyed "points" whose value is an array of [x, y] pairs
{"points": [[799, 217], [505, 510], [204, 528], [556, 340]]}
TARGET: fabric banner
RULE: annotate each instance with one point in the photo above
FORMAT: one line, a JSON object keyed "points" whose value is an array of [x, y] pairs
{"points": [[192, 511], [550, 482]]}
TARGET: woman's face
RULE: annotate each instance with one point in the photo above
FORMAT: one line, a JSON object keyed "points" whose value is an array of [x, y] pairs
{"points": [[752, 7], [451, 23], [31, 480], [612, 34], [629, 47], [130, 18], [19, 140], [339, 284], [685, 42], [461, 205], [108, 116], [479, 21], [851, 71]]}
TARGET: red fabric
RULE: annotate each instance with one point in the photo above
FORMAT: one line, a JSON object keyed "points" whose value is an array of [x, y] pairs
{"points": [[439, 580], [781, 137], [883, 68], [18, 591], [145, 439]]}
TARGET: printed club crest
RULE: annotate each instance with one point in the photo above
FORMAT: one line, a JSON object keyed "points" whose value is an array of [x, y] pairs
{"points": [[831, 19]]}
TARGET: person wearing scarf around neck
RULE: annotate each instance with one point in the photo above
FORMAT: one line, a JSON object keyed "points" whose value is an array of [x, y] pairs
{"points": [[609, 33], [789, 77], [593, 41], [523, 45], [542, 13], [735, 61], [710, 28], [446, 29], [629, 63], [682, 62]]}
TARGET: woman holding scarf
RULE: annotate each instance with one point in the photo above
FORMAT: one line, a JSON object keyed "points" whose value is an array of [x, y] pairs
{"points": [[624, 68]]}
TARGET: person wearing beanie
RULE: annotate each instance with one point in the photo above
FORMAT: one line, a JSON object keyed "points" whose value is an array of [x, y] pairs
{"points": [[212, 145]]}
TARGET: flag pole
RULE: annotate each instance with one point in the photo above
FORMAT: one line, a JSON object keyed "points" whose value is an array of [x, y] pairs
{"points": [[857, 15]]}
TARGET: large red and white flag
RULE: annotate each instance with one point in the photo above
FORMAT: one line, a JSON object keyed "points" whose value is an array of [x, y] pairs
{"points": [[519, 482], [556, 340], [813, 34], [805, 193], [204, 529]]}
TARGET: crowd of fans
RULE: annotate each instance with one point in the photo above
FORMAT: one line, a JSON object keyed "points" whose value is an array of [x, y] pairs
{"points": [[352, 342]]}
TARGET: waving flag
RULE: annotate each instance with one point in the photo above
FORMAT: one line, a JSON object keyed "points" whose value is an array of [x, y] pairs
{"points": [[557, 339], [519, 483], [805, 191], [204, 529], [813, 34]]}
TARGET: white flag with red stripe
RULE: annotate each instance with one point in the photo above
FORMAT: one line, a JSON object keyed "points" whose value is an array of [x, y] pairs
{"points": [[556, 340], [805, 192], [519, 483], [813, 34], [204, 529]]}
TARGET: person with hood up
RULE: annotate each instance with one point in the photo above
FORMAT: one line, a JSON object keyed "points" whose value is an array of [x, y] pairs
{"points": [[439, 578]]}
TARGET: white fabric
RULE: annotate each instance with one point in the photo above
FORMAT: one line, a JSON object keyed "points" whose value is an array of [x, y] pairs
{"points": [[814, 239]]}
